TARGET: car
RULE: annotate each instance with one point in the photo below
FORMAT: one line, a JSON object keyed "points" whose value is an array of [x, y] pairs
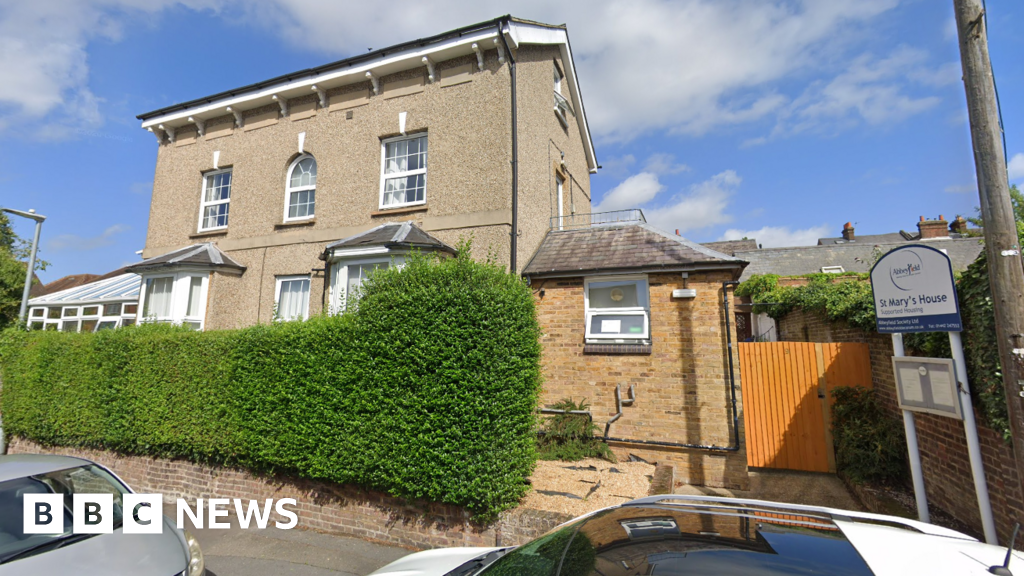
{"points": [[173, 552], [704, 535]]}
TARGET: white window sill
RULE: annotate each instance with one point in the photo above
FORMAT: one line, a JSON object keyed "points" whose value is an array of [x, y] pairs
{"points": [[405, 205]]}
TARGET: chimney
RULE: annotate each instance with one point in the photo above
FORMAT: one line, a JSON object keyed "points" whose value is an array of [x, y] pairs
{"points": [[933, 228], [958, 225], [848, 232]]}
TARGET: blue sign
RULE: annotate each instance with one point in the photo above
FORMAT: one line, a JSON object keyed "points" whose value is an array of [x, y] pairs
{"points": [[913, 290]]}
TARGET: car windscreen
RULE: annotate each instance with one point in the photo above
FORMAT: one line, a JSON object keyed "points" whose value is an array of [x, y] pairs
{"points": [[670, 540], [90, 479]]}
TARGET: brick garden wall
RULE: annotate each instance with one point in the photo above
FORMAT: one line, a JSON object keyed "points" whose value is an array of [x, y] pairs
{"points": [[682, 386], [943, 444], [322, 506]]}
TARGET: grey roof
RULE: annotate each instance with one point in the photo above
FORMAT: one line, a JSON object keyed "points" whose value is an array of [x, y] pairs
{"points": [[853, 257], [392, 235], [621, 247], [731, 247], [24, 465], [205, 255], [889, 238], [113, 289]]}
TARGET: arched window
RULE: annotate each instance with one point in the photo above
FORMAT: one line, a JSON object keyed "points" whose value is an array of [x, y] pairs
{"points": [[300, 190]]}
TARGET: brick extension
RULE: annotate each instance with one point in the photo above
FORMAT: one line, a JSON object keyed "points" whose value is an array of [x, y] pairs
{"points": [[947, 470], [682, 383], [322, 506]]}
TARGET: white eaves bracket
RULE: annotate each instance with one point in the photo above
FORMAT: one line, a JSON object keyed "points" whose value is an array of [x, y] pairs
{"points": [[237, 114], [321, 93], [430, 69], [374, 81], [169, 131], [479, 55], [282, 103], [200, 125]]}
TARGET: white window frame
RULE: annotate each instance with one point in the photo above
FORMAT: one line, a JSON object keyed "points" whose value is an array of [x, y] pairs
{"points": [[385, 177], [288, 190], [277, 294], [203, 204], [339, 275], [642, 310], [179, 298]]}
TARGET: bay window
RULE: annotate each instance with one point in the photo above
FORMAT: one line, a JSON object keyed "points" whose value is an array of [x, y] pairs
{"points": [[348, 277], [178, 298], [617, 308]]}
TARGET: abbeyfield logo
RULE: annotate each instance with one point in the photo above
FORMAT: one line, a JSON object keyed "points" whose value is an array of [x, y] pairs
{"points": [[904, 275], [143, 513]]}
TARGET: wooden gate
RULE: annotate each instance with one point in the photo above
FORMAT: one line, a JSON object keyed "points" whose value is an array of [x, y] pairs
{"points": [[786, 399]]}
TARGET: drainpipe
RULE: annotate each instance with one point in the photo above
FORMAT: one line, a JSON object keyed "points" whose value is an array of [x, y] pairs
{"points": [[515, 149], [732, 373]]}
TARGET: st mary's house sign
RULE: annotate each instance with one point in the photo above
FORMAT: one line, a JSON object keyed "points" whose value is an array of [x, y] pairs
{"points": [[914, 291]]}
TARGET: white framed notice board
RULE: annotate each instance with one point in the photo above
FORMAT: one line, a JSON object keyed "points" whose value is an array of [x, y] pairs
{"points": [[927, 385]]}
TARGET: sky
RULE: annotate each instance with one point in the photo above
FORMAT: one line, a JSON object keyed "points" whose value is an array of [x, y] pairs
{"points": [[778, 120]]}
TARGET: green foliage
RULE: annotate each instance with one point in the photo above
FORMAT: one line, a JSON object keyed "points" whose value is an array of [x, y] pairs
{"points": [[844, 297], [13, 251], [870, 445], [1017, 201], [981, 350], [570, 437], [428, 390]]}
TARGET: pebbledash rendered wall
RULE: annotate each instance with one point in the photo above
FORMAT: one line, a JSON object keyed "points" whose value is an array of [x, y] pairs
{"points": [[321, 506], [682, 386], [466, 114], [943, 444]]}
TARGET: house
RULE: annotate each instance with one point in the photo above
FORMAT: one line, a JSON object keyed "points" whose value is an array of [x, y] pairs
{"points": [[275, 199], [635, 320], [104, 302], [852, 253]]}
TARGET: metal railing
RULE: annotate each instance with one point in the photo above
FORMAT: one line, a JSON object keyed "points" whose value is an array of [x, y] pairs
{"points": [[577, 221]]}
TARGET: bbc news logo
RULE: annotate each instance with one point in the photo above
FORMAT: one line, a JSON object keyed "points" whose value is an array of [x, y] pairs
{"points": [[143, 513]]}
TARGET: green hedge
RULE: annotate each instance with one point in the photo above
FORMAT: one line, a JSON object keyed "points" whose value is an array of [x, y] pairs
{"points": [[870, 443], [428, 390]]}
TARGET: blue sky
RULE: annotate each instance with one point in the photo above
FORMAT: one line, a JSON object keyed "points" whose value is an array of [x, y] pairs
{"points": [[779, 120]]}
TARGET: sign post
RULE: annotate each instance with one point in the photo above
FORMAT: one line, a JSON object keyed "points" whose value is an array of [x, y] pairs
{"points": [[914, 291]]}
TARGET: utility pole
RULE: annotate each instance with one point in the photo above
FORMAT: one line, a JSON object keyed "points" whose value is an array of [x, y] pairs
{"points": [[1006, 274]]}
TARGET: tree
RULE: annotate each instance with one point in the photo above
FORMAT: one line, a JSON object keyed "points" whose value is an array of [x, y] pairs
{"points": [[1017, 200], [13, 252]]}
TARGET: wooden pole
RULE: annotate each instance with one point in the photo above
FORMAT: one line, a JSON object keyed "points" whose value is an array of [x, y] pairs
{"points": [[1006, 274]]}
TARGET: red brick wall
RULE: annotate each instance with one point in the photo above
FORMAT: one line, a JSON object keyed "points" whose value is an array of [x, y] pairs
{"points": [[682, 387], [322, 506], [943, 444]]}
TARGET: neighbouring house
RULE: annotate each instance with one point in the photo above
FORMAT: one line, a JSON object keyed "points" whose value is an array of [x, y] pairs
{"points": [[103, 302], [851, 253], [630, 312], [275, 199]]}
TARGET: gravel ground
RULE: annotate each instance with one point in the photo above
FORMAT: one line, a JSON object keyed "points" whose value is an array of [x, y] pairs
{"points": [[590, 484]]}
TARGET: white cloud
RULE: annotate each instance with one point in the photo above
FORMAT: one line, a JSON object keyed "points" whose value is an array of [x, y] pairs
{"points": [[664, 164], [141, 188], [682, 66], [704, 205], [631, 193], [617, 166], [76, 243], [779, 236], [1015, 168], [870, 90]]}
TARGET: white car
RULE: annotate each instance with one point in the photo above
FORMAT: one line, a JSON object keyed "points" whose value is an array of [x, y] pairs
{"points": [[703, 535]]}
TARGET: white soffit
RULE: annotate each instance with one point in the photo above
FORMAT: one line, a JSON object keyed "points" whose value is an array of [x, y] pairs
{"points": [[515, 33]]}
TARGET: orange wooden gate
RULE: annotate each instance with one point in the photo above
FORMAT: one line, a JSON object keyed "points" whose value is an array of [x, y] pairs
{"points": [[786, 399]]}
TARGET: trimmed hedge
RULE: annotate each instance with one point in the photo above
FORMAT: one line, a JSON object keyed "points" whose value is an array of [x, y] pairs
{"points": [[428, 390]]}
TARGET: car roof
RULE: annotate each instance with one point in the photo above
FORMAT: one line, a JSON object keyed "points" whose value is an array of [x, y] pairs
{"points": [[23, 465]]}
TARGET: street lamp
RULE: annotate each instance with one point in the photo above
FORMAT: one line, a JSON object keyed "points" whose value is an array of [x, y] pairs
{"points": [[31, 214]]}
